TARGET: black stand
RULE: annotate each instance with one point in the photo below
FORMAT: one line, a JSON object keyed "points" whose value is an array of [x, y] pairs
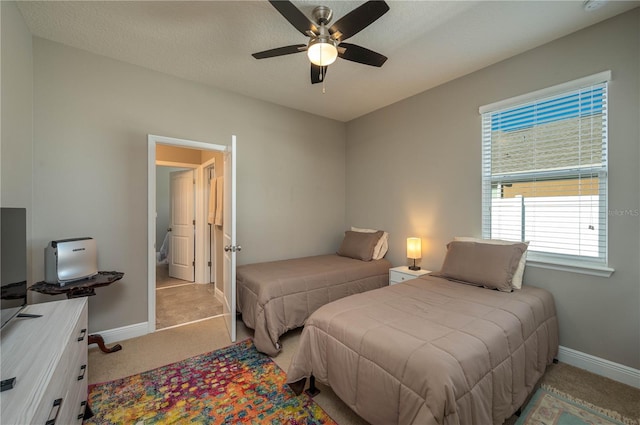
{"points": [[312, 391], [298, 386], [414, 267]]}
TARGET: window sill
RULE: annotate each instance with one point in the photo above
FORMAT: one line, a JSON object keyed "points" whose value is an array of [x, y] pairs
{"points": [[573, 267]]}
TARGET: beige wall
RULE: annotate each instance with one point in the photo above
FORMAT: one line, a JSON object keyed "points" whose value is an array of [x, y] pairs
{"points": [[414, 169], [92, 117], [16, 139]]}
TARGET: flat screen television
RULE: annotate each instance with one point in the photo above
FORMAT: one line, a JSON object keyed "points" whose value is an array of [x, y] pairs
{"points": [[13, 262]]}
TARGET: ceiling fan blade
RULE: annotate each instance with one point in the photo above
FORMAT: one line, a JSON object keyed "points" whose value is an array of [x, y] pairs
{"points": [[362, 55], [318, 73], [280, 51], [358, 19], [294, 16]]}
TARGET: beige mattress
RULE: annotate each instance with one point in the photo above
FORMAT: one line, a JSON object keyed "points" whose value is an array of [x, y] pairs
{"points": [[277, 296], [431, 351]]}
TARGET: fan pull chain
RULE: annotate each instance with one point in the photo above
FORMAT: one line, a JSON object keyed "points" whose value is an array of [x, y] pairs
{"points": [[322, 70]]}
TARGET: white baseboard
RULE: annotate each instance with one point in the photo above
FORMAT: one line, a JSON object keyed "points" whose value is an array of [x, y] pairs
{"points": [[616, 371], [126, 332]]}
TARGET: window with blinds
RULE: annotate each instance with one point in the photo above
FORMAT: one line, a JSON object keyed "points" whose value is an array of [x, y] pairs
{"points": [[544, 171]]}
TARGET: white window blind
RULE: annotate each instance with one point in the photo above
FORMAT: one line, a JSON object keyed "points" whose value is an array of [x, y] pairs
{"points": [[544, 172]]}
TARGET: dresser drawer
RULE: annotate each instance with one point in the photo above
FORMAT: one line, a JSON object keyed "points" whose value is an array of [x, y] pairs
{"points": [[77, 392], [55, 402], [78, 376], [398, 277], [76, 403], [52, 401]]}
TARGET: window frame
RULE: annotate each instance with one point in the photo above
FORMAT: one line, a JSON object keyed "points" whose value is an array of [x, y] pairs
{"points": [[597, 266]]}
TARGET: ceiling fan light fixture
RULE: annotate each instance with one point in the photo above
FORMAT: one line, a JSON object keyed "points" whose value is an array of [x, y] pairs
{"points": [[322, 51], [325, 43]]}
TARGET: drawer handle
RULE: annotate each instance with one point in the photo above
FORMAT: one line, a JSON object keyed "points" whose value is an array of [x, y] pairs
{"points": [[83, 332], [55, 408], [81, 414], [83, 369]]}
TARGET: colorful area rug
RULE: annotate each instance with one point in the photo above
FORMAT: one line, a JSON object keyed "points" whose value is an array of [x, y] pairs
{"points": [[550, 407], [234, 385]]}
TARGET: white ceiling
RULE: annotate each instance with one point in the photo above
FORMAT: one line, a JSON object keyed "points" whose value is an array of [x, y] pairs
{"points": [[427, 43]]}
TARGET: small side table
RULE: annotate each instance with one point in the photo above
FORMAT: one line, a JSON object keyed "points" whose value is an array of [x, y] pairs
{"points": [[83, 288], [403, 273]]}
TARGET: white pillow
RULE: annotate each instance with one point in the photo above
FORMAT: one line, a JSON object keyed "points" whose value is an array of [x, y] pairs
{"points": [[516, 283], [381, 247]]}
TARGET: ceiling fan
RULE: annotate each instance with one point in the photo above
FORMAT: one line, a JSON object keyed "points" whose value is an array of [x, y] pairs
{"points": [[327, 42]]}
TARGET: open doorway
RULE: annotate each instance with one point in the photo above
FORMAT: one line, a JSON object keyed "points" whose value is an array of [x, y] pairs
{"points": [[194, 291], [179, 299], [175, 217]]}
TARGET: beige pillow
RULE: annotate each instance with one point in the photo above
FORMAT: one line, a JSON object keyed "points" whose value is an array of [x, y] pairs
{"points": [[381, 247], [519, 274], [359, 245], [488, 265]]}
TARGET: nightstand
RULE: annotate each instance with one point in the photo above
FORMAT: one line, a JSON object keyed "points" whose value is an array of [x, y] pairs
{"points": [[402, 274]]}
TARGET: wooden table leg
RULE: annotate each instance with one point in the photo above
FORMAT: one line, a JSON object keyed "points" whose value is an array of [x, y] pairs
{"points": [[97, 339]]}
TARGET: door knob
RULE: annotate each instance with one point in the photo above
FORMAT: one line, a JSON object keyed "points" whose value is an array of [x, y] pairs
{"points": [[238, 248], [169, 229], [227, 248]]}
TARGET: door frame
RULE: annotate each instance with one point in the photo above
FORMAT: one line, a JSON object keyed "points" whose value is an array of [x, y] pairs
{"points": [[152, 141]]}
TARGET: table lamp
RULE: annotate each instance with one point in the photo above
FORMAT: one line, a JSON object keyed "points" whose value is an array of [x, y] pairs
{"points": [[414, 251]]}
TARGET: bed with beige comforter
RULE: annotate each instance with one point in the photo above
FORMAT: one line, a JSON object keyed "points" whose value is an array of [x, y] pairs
{"points": [[431, 351], [277, 296]]}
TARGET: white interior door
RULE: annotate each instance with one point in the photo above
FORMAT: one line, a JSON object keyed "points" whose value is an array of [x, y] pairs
{"points": [[229, 231], [182, 234]]}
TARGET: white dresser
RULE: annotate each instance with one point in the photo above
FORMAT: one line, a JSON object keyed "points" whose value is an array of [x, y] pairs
{"points": [[48, 357]]}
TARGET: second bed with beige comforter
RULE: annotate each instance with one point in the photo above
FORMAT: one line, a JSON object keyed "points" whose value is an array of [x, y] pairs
{"points": [[431, 351], [277, 296]]}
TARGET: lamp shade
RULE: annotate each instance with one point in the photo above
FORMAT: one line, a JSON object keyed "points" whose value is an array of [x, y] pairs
{"points": [[322, 52], [414, 248]]}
